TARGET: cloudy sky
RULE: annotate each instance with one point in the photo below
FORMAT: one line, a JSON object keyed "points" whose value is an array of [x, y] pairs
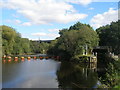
{"points": [[43, 19]]}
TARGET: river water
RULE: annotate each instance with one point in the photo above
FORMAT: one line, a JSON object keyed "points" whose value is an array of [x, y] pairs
{"points": [[48, 73]]}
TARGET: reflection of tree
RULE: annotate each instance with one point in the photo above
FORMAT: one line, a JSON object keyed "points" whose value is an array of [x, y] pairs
{"points": [[74, 76], [10, 70]]}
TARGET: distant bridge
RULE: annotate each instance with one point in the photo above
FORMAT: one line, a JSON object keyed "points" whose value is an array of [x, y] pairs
{"points": [[45, 41]]}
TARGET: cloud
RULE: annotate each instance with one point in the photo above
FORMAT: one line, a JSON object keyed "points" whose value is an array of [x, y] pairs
{"points": [[105, 0], [91, 8], [47, 35], [53, 30], [39, 34], [17, 21], [14, 15], [45, 11], [26, 24], [1, 4], [81, 2], [104, 18], [34, 39], [53, 35]]}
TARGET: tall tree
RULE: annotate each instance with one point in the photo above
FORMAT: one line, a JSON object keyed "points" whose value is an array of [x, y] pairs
{"points": [[110, 36], [72, 41], [8, 39], [12, 43]]}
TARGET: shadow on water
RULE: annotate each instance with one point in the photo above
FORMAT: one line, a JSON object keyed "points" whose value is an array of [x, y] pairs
{"points": [[76, 76], [42, 73], [103, 62]]}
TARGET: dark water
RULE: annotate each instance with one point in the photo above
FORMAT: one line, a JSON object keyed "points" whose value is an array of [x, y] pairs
{"points": [[48, 74], [77, 76]]}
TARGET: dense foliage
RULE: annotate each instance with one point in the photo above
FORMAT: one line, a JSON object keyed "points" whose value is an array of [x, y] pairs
{"points": [[14, 44], [110, 36], [111, 76], [73, 41]]}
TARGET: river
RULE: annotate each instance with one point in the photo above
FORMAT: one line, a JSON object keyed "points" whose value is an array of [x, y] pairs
{"points": [[47, 73]]}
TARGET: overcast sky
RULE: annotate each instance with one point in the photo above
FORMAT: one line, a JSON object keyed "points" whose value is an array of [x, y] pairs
{"points": [[43, 19]]}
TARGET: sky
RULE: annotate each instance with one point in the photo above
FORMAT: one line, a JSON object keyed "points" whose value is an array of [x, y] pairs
{"points": [[42, 19]]}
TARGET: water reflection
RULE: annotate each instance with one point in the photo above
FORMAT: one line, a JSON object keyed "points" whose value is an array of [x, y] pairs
{"points": [[48, 73], [30, 74], [76, 76]]}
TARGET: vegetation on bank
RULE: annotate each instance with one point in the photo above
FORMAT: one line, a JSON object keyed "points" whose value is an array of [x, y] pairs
{"points": [[111, 77], [77, 40], [14, 44], [109, 35], [73, 42]]}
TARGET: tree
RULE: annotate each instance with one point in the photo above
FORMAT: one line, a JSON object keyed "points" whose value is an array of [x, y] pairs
{"points": [[72, 41], [110, 36], [8, 39], [43, 47], [35, 46], [17, 49], [12, 43], [25, 43]]}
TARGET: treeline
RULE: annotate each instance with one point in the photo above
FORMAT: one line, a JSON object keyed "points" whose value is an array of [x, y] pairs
{"points": [[14, 44], [110, 36], [74, 41]]}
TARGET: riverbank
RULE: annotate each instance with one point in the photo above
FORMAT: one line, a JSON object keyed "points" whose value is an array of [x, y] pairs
{"points": [[109, 73], [111, 78]]}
